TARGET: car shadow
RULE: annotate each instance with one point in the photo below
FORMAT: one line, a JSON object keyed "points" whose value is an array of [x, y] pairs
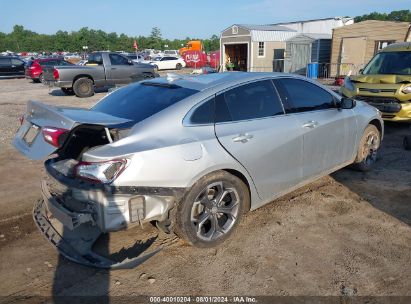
{"points": [[387, 186], [59, 92]]}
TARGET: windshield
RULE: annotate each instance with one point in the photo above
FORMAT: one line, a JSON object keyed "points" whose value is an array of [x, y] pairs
{"points": [[141, 100], [398, 63]]}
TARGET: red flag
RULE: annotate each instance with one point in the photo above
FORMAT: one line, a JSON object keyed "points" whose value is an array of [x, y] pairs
{"points": [[135, 45]]}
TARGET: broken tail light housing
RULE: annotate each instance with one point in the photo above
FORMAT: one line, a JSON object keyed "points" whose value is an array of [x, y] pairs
{"points": [[56, 74], [54, 136], [101, 172]]}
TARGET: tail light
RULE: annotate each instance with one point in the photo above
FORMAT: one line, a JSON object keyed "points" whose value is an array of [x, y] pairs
{"points": [[54, 136], [101, 172], [56, 74]]}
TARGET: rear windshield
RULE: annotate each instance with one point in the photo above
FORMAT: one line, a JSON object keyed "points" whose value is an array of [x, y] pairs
{"points": [[141, 100], [398, 63]]}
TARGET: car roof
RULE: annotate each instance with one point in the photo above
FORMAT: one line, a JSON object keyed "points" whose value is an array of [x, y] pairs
{"points": [[11, 57], [397, 47], [207, 81]]}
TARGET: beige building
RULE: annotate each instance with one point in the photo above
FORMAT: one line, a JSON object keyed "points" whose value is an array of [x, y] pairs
{"points": [[253, 48], [354, 45]]}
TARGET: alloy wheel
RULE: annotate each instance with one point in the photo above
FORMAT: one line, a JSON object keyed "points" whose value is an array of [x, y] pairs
{"points": [[215, 211]]}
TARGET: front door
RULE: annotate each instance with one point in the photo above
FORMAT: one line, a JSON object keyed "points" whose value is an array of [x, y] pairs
{"points": [[5, 66], [120, 71], [329, 132], [252, 127]]}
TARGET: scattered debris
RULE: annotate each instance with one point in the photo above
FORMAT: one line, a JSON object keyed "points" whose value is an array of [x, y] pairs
{"points": [[151, 280], [49, 265], [117, 282], [143, 275]]}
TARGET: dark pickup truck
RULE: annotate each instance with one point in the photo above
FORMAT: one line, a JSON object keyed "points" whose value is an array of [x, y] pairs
{"points": [[103, 69]]}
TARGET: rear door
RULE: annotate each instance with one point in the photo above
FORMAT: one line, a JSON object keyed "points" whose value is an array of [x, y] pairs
{"points": [[120, 71], [329, 132], [252, 126], [5, 66]]}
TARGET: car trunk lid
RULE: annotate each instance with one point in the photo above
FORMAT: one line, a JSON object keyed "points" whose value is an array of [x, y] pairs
{"points": [[29, 140]]}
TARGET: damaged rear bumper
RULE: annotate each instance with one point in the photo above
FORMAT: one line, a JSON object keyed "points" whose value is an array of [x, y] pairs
{"points": [[76, 245]]}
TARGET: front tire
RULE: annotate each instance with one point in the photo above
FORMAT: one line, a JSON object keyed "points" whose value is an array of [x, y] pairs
{"points": [[83, 87], [368, 148], [210, 211], [179, 66]]}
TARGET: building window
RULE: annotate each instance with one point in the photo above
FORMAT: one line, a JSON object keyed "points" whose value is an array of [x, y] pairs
{"points": [[261, 49], [379, 45]]}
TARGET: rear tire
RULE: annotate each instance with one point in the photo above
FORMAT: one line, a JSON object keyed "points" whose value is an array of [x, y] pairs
{"points": [[368, 148], [68, 91], [41, 78], [179, 66], [210, 211], [407, 142], [83, 87]]}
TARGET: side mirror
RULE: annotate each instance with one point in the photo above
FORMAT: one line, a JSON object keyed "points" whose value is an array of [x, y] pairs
{"points": [[347, 103], [360, 71]]}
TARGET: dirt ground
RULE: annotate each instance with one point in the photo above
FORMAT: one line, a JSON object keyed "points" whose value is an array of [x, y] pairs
{"points": [[345, 234]]}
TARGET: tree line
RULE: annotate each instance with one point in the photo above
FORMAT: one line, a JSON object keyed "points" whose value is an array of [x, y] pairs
{"points": [[23, 40], [402, 15]]}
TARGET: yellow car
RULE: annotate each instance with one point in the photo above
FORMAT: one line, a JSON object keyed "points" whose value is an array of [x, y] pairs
{"points": [[385, 82]]}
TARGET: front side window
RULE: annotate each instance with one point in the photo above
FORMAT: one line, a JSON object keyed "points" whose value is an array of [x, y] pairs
{"points": [[397, 63], [249, 101], [261, 49], [118, 60], [300, 96]]}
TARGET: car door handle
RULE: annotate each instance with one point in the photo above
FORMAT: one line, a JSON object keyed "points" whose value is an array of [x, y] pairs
{"points": [[310, 124], [243, 138]]}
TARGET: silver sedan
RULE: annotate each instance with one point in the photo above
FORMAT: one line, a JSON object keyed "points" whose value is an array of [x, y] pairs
{"points": [[192, 154]]}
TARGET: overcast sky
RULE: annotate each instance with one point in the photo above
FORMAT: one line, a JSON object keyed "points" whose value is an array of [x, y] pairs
{"points": [[176, 18]]}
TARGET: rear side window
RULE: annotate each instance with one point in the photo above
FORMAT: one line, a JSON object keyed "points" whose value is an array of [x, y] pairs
{"points": [[203, 114], [141, 100], [249, 101], [301, 96], [95, 59], [17, 62]]}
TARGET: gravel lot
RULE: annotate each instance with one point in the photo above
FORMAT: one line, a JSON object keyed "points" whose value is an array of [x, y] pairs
{"points": [[348, 233]]}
